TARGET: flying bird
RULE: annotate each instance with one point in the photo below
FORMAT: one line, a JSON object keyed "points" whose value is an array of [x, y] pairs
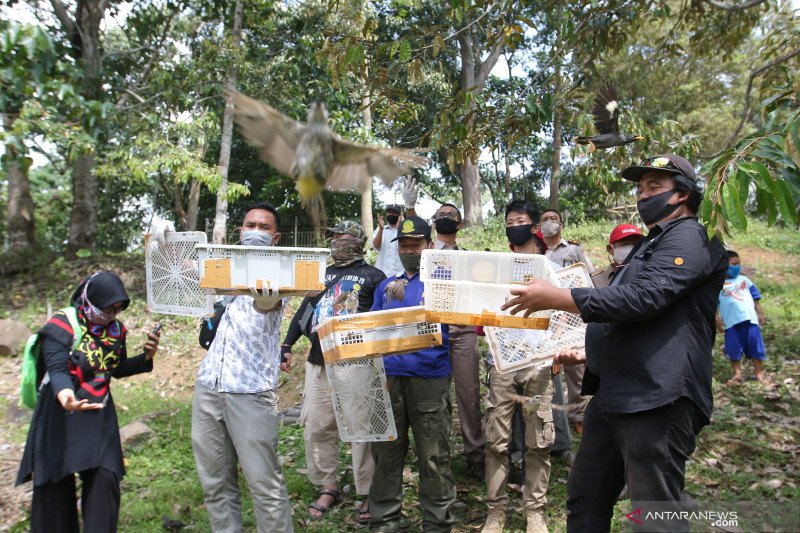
{"points": [[606, 122], [315, 156]]}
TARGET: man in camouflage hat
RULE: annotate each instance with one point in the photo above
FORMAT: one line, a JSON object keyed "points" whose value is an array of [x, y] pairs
{"points": [[350, 285]]}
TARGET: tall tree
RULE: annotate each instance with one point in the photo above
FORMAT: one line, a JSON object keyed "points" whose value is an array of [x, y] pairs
{"points": [[221, 214]]}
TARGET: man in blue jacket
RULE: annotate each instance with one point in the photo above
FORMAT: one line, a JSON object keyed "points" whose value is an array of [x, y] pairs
{"points": [[648, 355], [419, 386]]}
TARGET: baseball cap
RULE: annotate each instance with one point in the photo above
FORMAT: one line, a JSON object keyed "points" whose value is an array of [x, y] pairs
{"points": [[676, 165], [394, 207], [348, 227], [622, 231], [413, 227]]}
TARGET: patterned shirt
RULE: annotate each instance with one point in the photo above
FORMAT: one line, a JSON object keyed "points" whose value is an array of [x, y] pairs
{"points": [[245, 355]]}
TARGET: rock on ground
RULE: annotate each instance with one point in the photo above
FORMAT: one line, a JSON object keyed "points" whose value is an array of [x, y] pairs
{"points": [[13, 335]]}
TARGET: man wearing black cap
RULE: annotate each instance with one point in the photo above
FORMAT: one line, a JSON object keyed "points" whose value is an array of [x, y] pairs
{"points": [[384, 239], [419, 386], [648, 354]]}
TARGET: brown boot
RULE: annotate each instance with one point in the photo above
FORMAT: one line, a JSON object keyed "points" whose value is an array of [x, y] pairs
{"points": [[495, 519], [536, 521]]}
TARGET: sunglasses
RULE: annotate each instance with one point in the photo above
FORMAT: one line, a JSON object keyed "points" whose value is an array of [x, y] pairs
{"points": [[114, 309], [662, 163]]}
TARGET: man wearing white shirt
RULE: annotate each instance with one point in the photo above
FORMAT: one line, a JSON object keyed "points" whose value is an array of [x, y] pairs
{"points": [[383, 240]]}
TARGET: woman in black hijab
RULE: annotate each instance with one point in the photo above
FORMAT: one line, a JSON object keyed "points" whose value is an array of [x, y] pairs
{"points": [[74, 428]]}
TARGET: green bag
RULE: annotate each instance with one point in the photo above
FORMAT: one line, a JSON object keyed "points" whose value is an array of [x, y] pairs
{"points": [[32, 364]]}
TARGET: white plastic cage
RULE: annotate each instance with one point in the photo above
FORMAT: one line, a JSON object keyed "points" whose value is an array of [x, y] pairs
{"points": [[514, 349], [377, 333], [173, 282], [230, 269], [483, 267], [361, 402]]}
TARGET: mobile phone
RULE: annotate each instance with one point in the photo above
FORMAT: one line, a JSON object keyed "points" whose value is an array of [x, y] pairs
{"points": [[156, 329]]}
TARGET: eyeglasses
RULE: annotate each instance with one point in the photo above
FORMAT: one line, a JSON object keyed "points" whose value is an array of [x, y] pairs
{"points": [[114, 309], [452, 215]]}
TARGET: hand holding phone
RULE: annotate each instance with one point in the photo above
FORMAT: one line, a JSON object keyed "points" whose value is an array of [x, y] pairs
{"points": [[151, 346]]}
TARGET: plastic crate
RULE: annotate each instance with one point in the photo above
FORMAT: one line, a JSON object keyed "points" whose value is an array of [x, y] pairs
{"points": [[226, 269], [361, 402], [356, 336], [173, 283], [514, 349], [470, 303], [483, 267]]}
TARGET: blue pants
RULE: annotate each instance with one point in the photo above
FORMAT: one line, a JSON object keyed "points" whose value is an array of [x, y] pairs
{"points": [[744, 337]]}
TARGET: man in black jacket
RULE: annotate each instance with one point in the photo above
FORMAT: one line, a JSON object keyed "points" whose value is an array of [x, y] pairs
{"points": [[648, 355], [351, 284]]}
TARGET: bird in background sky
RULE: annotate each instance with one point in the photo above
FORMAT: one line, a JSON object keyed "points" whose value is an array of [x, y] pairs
{"points": [[606, 122], [313, 155]]}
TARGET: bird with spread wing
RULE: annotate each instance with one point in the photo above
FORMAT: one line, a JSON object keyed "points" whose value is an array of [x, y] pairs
{"points": [[315, 156], [606, 122]]}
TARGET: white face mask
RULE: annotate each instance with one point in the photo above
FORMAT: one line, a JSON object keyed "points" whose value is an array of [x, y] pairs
{"points": [[621, 253], [254, 237], [550, 228]]}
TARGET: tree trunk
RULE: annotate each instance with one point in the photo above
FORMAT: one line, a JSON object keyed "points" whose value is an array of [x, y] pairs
{"points": [[193, 208], [84, 35], [471, 192], [83, 218], [555, 170], [366, 194], [20, 224], [221, 214]]}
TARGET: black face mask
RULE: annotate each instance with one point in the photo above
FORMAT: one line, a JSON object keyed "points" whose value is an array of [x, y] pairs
{"points": [[519, 235], [656, 207], [392, 219], [446, 226]]}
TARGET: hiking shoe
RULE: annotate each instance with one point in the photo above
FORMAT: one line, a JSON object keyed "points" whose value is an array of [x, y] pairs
{"points": [[495, 520], [536, 522]]}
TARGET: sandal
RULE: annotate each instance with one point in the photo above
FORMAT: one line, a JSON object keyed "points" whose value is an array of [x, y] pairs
{"points": [[334, 493], [362, 510], [734, 381]]}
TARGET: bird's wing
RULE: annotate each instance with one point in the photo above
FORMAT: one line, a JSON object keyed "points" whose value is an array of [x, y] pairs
{"points": [[606, 110], [354, 164], [269, 130]]}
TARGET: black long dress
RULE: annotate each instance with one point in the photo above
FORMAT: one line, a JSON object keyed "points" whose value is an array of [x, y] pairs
{"points": [[61, 443]]}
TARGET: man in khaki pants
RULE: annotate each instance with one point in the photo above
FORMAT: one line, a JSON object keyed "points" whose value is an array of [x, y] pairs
{"points": [[350, 286]]}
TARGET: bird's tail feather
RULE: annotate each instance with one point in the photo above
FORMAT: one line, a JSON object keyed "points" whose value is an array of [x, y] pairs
{"points": [[315, 207]]}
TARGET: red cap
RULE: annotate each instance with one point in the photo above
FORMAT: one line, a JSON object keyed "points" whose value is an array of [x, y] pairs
{"points": [[622, 231]]}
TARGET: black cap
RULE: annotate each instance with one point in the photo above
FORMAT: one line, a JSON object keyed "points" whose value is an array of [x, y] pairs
{"points": [[413, 227], [676, 165], [394, 207]]}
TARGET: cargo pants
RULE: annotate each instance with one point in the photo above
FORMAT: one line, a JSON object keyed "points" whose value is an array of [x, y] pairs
{"points": [[424, 406], [533, 387]]}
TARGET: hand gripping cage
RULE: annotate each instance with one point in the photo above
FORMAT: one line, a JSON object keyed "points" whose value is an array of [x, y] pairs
{"points": [[173, 283], [468, 288], [514, 349], [361, 401]]}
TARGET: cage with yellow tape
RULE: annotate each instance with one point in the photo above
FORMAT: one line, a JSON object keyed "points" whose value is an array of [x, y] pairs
{"points": [[468, 288], [390, 332], [230, 269], [515, 349]]}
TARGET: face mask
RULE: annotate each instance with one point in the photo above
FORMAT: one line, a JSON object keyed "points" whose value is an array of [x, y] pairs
{"points": [[446, 226], [734, 270], [550, 228], [519, 235], [656, 207], [93, 314], [392, 219], [621, 253], [346, 251], [254, 237], [410, 262]]}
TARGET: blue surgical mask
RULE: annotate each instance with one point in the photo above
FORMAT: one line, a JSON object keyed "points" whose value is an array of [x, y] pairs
{"points": [[734, 270], [254, 237]]}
